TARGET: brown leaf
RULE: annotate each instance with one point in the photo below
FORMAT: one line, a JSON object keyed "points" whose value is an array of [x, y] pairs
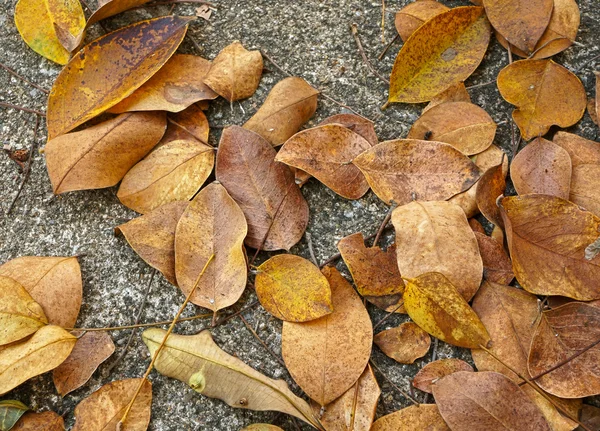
{"points": [[406, 169], [327, 356], [497, 266], [189, 123], [547, 237], [212, 224], [91, 349], [326, 152], [293, 289], [96, 78], [476, 226], [418, 417], [46, 421], [465, 126], [486, 401], [405, 343], [53, 282], [585, 187], [413, 15], [545, 94], [276, 211], [290, 104], [104, 408], [357, 124], [436, 370], [582, 151], [590, 416], [261, 427], [235, 73], [542, 167], [108, 8], [436, 237], [20, 315], [101, 155], [454, 93], [490, 186], [591, 108]]}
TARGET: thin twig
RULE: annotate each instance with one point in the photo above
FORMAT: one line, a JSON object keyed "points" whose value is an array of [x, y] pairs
{"points": [[21, 108], [483, 84], [22, 78], [267, 348], [586, 63], [382, 21], [311, 250], [237, 313], [387, 47], [384, 223], [143, 325], [383, 319], [354, 30], [387, 379]]}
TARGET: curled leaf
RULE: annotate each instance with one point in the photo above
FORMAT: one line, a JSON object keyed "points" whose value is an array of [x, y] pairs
{"points": [[189, 123], [413, 15], [20, 315], [432, 372], [405, 343]]}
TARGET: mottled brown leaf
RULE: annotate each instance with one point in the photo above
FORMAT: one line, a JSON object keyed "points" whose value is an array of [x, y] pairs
{"points": [[582, 151], [454, 93], [436, 370], [189, 123], [413, 418], [490, 186], [357, 124], [497, 266], [405, 343], [585, 187], [46, 421]]}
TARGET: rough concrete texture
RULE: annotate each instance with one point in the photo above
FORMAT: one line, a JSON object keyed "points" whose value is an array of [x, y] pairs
{"points": [[308, 38]]}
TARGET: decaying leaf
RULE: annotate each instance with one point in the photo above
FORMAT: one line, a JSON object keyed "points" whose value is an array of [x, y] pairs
{"points": [[442, 52], [542, 167], [189, 123], [413, 418], [276, 211], [357, 124], [20, 315], [405, 343], [212, 224], [53, 282], [45, 350], [547, 237], [104, 408], [486, 401], [432, 372], [497, 266], [101, 155], [545, 94], [436, 237], [454, 93], [413, 15], [490, 186], [465, 126], [95, 79], [288, 106], [197, 361], [582, 151], [436, 306], [10, 412], [91, 349], [235, 72], [293, 289], [46, 421], [407, 169]]}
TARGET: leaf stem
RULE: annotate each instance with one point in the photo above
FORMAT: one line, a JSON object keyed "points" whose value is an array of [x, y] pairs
{"points": [[21, 108]]}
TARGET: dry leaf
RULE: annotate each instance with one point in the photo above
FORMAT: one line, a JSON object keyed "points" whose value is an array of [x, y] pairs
{"points": [[45, 350], [590, 416], [276, 211], [555, 419], [591, 108], [476, 226], [404, 170], [585, 187], [177, 85], [436, 237], [542, 167], [490, 186], [235, 72], [197, 361], [288, 106], [104, 409], [189, 123], [413, 15], [486, 401], [436, 370], [436, 306], [547, 237], [10, 412], [582, 151], [152, 237], [101, 155], [357, 124], [497, 266], [46, 421], [20, 315], [465, 126], [293, 289], [91, 349], [108, 8], [262, 427], [212, 225], [53, 282], [454, 93], [327, 356], [417, 417], [442, 52], [545, 94], [96, 79], [405, 343]]}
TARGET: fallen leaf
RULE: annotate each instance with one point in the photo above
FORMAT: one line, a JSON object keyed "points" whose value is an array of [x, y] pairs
{"points": [[204, 12], [326, 152], [476, 226], [442, 52], [436, 370], [46, 421], [197, 361], [542, 167], [490, 186], [582, 151], [591, 108], [108, 8], [177, 85], [545, 94], [212, 225], [101, 155], [276, 211], [357, 124], [436, 237], [405, 343], [417, 417], [454, 93], [96, 79], [10, 412], [293, 289], [465, 126], [45, 350], [547, 237], [585, 187], [91, 349], [555, 419], [235, 72], [290, 104], [486, 401], [590, 416], [20, 315], [104, 409], [53, 282], [413, 15], [406, 169], [189, 123], [152, 237], [497, 266], [262, 427]]}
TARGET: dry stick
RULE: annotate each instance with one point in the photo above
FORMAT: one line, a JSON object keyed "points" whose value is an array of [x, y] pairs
{"points": [[385, 50], [143, 325], [387, 379], [483, 84], [382, 21], [311, 250], [383, 319], [21, 108], [354, 30], [336, 256], [267, 348], [586, 63], [22, 78], [160, 347], [237, 313], [384, 223]]}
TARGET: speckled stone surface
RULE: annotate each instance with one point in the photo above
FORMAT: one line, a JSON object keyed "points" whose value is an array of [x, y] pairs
{"points": [[307, 38]]}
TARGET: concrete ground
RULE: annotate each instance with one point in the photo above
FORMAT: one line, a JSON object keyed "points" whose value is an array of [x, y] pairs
{"points": [[308, 38]]}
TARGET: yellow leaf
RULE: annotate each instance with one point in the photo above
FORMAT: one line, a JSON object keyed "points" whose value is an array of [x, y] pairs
{"points": [[20, 315]]}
